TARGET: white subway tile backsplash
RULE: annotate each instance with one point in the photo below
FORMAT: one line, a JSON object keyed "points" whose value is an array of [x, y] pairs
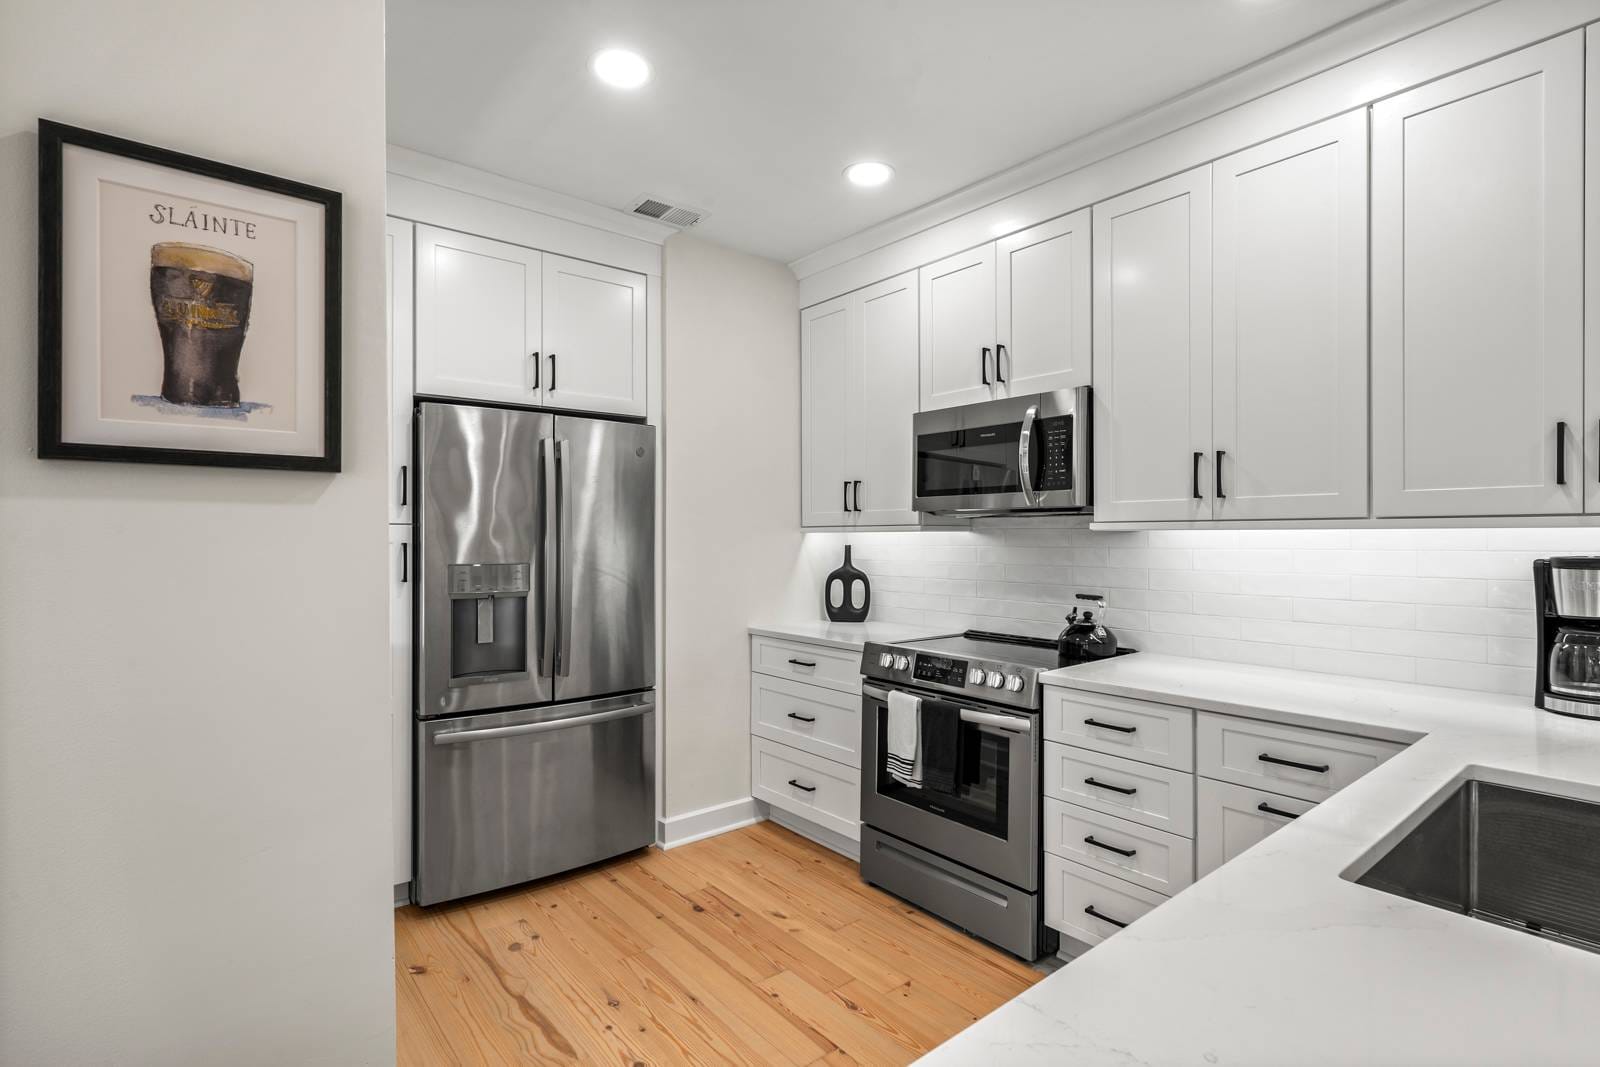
{"points": [[1445, 607]]}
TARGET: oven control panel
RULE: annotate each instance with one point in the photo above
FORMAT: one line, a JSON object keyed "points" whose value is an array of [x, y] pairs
{"points": [[1054, 449], [940, 669]]}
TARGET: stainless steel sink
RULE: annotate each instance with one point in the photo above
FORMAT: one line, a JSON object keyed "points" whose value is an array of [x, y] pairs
{"points": [[1515, 857]]}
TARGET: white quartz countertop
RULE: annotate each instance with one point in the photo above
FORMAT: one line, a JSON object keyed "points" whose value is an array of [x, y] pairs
{"points": [[1277, 959], [852, 635]]}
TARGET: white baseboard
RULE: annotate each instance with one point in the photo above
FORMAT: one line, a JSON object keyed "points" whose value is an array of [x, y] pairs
{"points": [[402, 894], [707, 822], [820, 834]]}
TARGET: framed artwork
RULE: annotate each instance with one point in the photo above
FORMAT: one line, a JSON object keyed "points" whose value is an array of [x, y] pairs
{"points": [[188, 309]]}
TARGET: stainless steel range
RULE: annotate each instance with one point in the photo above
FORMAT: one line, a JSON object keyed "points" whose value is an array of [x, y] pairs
{"points": [[950, 781]]}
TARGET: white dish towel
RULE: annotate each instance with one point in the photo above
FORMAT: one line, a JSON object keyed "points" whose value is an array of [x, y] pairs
{"points": [[904, 756]]}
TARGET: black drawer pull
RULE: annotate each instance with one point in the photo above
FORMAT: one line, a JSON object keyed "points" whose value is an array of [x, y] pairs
{"points": [[1129, 852], [1320, 768], [1114, 788], [807, 788], [795, 715], [806, 663], [1270, 810], [1090, 910], [1111, 726]]}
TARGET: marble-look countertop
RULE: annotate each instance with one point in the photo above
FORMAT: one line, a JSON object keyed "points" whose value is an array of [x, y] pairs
{"points": [[851, 635], [1275, 958]]}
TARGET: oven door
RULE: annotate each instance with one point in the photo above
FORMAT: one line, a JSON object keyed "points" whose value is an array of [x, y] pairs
{"points": [[1025, 453], [989, 819]]}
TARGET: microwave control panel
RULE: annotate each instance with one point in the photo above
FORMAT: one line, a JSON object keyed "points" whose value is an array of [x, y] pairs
{"points": [[941, 669], [1053, 449]]}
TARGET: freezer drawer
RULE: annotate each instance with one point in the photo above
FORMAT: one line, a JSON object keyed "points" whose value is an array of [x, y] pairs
{"points": [[512, 796]]}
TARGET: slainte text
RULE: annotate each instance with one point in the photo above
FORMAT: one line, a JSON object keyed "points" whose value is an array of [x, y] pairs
{"points": [[200, 220]]}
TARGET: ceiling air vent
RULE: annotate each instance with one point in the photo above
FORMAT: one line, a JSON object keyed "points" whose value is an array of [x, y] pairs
{"points": [[681, 217]]}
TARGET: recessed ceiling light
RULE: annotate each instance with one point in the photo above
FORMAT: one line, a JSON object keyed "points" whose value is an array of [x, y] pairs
{"points": [[620, 68], [868, 173]]}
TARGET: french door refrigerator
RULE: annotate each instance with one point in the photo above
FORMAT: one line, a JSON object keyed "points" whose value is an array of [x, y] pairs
{"points": [[535, 645]]}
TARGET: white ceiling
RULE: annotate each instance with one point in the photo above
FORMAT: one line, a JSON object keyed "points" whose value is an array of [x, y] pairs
{"points": [[756, 106]]}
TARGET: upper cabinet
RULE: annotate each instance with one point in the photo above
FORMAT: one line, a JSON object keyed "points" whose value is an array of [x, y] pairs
{"points": [[1289, 330], [594, 330], [1042, 296], [508, 324], [397, 244], [1477, 289], [958, 329], [1152, 352], [858, 381]]}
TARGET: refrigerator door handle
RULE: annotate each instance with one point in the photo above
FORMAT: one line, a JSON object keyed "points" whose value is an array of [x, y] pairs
{"points": [[563, 593], [456, 737], [550, 558]]}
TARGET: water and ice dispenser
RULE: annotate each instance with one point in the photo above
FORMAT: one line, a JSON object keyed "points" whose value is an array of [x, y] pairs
{"points": [[488, 621]]}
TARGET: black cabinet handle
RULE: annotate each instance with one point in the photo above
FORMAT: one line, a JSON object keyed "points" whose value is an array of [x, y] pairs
{"points": [[1280, 813], [807, 788], [1111, 726], [1220, 494], [1561, 453], [535, 386], [405, 483], [804, 662], [405, 563], [802, 718], [1198, 456], [1110, 848], [847, 496], [999, 354], [983, 365], [857, 484], [1114, 788], [1104, 917], [1320, 768], [552, 386]]}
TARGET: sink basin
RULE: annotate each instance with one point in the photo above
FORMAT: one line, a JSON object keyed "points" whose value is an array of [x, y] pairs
{"points": [[1514, 857]]}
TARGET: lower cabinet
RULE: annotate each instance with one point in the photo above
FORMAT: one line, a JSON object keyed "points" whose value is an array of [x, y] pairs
{"points": [[400, 565], [1091, 906], [1231, 818]]}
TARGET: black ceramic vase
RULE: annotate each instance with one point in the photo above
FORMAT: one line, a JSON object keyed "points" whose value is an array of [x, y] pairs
{"points": [[839, 593]]}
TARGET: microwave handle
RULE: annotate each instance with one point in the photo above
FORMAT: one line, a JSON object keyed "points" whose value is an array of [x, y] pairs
{"points": [[1025, 455]]}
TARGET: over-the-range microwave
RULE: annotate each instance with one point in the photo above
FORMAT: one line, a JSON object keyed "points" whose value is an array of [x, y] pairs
{"points": [[1021, 454]]}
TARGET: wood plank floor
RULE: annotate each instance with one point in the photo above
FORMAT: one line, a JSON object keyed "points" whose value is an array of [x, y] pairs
{"points": [[754, 947]]}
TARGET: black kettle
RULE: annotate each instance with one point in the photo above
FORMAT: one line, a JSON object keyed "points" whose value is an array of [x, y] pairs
{"points": [[1086, 638]]}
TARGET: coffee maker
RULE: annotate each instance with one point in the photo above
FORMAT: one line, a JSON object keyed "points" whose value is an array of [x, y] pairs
{"points": [[1567, 669]]}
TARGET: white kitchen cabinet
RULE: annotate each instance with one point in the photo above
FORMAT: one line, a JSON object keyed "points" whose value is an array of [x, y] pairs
{"points": [[1043, 324], [594, 337], [400, 564], [397, 243], [478, 318], [1289, 384], [1591, 318], [858, 356], [1231, 818], [1477, 289], [1152, 351], [958, 329]]}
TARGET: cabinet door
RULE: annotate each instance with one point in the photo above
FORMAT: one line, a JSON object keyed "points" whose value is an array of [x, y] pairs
{"points": [[885, 388], [1042, 322], [1152, 351], [593, 337], [1290, 329], [400, 694], [957, 336], [1477, 289], [1591, 318], [827, 335], [402, 371], [478, 323]]}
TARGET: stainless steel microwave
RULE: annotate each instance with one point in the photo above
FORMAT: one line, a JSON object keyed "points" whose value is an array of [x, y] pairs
{"points": [[1020, 454]]}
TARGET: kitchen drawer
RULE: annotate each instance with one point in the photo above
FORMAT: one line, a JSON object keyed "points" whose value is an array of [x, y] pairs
{"points": [[1138, 729], [1071, 890], [1259, 755], [836, 668], [1231, 818], [824, 722], [1155, 796], [1161, 861], [825, 792]]}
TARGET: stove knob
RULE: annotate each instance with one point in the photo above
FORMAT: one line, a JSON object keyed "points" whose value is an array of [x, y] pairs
{"points": [[975, 676], [996, 680], [1014, 683], [885, 659], [901, 663]]}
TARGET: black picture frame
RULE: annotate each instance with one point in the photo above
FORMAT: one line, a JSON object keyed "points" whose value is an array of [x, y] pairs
{"points": [[53, 138]]}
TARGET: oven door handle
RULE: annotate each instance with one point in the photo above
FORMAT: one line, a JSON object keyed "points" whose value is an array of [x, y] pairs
{"points": [[1013, 724], [1025, 455]]}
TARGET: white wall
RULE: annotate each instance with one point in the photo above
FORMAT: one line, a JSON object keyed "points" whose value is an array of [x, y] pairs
{"points": [[731, 453], [194, 754], [1442, 607]]}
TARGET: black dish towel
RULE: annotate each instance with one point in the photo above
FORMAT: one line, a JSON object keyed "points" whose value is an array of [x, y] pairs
{"points": [[941, 745]]}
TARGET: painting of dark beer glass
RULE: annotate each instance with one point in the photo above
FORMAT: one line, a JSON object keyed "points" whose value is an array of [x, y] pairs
{"points": [[201, 298]]}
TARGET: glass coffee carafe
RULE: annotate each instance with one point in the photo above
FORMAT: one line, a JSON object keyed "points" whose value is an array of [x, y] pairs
{"points": [[1575, 663]]}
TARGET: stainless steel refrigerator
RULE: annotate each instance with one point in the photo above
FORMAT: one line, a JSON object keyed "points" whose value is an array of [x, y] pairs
{"points": [[535, 645]]}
